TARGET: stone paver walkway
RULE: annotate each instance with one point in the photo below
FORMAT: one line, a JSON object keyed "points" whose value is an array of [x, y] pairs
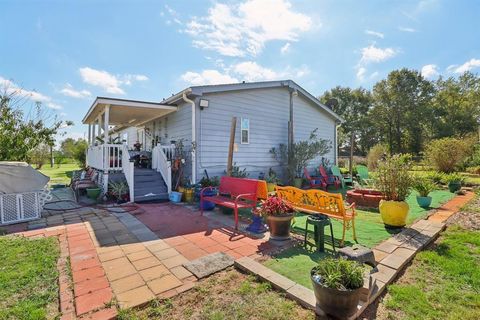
{"points": [[195, 236]]}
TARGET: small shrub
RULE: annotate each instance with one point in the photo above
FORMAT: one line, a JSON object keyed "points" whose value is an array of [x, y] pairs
{"points": [[393, 178], [453, 177], [435, 176], [271, 176], [473, 170], [424, 186], [446, 154], [376, 153], [340, 274]]}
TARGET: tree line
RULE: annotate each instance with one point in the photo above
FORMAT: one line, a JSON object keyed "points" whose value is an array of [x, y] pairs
{"points": [[406, 111]]}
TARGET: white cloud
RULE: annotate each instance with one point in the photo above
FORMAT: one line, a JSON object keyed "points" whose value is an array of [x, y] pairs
{"points": [[239, 29], [429, 71], [361, 73], [69, 91], [102, 79], [207, 77], [467, 66], [12, 88], [374, 54], [243, 71], [284, 49], [375, 33], [406, 29], [109, 82]]}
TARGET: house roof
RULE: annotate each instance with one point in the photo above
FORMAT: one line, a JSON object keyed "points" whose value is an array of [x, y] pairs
{"points": [[127, 112], [200, 90]]}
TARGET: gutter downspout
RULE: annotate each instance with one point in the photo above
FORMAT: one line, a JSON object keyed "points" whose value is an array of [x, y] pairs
{"points": [[194, 138]]}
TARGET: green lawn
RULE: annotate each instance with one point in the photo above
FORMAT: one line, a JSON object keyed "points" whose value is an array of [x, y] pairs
{"points": [[28, 278], [59, 174], [295, 263], [442, 283], [470, 178]]}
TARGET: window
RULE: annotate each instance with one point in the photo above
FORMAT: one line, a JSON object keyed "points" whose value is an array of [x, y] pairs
{"points": [[245, 131]]}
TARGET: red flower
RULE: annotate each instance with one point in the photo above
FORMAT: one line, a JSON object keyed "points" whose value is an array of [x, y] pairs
{"points": [[274, 206]]}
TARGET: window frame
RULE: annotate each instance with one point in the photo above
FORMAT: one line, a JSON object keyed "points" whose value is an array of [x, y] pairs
{"points": [[242, 129]]}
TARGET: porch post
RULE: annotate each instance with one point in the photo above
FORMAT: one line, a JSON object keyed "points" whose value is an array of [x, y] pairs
{"points": [[99, 121], [106, 122], [89, 134]]}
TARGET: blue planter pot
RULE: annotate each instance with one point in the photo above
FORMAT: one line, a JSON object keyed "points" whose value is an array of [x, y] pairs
{"points": [[424, 202], [207, 205]]}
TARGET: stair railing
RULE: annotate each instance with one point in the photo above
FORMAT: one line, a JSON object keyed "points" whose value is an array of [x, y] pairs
{"points": [[162, 164], [128, 171]]}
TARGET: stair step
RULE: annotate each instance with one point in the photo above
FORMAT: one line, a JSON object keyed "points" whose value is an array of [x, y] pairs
{"points": [[143, 179], [158, 197], [143, 191]]}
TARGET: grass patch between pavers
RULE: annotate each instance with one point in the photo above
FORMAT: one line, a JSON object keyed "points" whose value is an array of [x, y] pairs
{"points": [[28, 278], [296, 263], [443, 281], [59, 174], [225, 295]]}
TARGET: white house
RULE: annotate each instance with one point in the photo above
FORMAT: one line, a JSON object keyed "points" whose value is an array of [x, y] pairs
{"points": [[201, 117]]}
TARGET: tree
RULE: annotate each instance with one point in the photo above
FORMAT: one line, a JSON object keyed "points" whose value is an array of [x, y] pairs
{"points": [[456, 106], [353, 106], [402, 110], [20, 134], [75, 149]]}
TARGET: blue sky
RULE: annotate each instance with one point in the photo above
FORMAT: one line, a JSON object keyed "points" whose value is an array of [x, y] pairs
{"points": [[65, 53]]}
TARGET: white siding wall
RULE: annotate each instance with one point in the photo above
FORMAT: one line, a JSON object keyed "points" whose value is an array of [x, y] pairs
{"points": [[268, 112]]}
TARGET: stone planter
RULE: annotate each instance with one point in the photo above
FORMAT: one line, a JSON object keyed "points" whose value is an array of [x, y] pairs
{"points": [[279, 226], [338, 303], [367, 198]]}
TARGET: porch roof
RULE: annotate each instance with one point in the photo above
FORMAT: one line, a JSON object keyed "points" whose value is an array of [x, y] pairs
{"points": [[127, 113]]}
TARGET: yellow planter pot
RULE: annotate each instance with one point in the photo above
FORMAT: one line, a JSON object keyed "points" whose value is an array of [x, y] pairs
{"points": [[394, 213], [182, 190], [270, 187], [188, 194]]}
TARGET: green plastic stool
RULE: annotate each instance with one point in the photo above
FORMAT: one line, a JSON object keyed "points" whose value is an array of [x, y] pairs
{"points": [[319, 222]]}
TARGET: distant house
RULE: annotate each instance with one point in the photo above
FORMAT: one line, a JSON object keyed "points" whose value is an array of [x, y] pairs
{"points": [[201, 117]]}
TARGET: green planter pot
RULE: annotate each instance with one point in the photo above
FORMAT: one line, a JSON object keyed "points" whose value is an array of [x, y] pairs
{"points": [[424, 202], [454, 186], [93, 193]]}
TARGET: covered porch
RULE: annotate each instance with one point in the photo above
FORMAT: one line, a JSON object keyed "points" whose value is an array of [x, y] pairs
{"points": [[108, 152]]}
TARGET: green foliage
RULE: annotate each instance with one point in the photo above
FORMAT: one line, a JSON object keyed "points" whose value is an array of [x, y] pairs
{"points": [[473, 170], [453, 177], [39, 155], [393, 178], [340, 274], [446, 154], [210, 182], [423, 186], [238, 172], [75, 149], [118, 188], [402, 110], [301, 154], [271, 177], [376, 153], [19, 134], [435, 176]]}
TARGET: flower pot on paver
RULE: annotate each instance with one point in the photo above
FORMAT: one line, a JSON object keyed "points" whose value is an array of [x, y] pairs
{"points": [[424, 202], [278, 214], [394, 213], [337, 284], [93, 193]]}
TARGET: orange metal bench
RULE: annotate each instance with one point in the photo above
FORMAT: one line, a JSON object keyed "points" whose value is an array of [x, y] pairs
{"points": [[321, 202]]}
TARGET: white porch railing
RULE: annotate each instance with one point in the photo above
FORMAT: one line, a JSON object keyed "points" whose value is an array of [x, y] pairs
{"points": [[105, 157], [169, 151], [128, 171], [162, 164]]}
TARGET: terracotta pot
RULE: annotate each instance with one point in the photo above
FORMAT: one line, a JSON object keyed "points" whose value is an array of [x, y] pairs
{"points": [[279, 226], [394, 213], [338, 303]]}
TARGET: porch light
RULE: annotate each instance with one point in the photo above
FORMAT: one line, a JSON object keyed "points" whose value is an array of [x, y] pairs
{"points": [[203, 104]]}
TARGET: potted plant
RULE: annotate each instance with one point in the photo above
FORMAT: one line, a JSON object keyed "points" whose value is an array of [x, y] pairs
{"points": [[424, 186], [453, 181], [394, 181], [278, 214], [337, 285], [119, 190], [271, 180], [206, 182]]}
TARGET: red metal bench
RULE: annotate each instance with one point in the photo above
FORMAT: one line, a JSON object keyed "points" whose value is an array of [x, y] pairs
{"points": [[233, 193]]}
